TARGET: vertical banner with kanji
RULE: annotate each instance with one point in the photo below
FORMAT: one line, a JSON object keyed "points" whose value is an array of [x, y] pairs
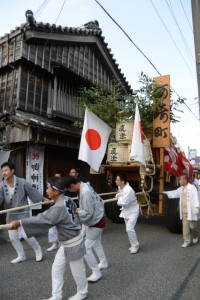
{"points": [[34, 168], [161, 117]]}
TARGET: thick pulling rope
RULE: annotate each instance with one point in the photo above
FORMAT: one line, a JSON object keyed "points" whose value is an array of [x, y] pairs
{"points": [[24, 206], [40, 203], [7, 226], [49, 202], [110, 200], [103, 194]]}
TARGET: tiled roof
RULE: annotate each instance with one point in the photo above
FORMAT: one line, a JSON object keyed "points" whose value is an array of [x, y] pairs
{"points": [[28, 119], [90, 28]]}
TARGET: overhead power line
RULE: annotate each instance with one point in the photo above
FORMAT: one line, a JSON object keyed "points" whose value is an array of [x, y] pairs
{"points": [[186, 16], [60, 10], [41, 8], [172, 39], [145, 56], [180, 31]]}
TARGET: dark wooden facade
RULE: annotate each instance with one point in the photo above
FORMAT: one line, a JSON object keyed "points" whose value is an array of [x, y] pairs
{"points": [[42, 68]]}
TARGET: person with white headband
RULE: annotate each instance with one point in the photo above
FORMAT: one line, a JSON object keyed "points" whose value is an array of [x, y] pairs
{"points": [[52, 233], [72, 249], [91, 215]]}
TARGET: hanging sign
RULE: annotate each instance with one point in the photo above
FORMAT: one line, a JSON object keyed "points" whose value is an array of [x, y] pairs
{"points": [[34, 168], [161, 117]]}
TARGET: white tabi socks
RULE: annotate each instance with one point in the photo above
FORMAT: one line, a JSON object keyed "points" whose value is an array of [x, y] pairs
{"points": [[53, 247], [18, 259]]}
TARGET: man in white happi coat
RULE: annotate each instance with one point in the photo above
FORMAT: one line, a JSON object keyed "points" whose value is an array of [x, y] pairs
{"points": [[72, 249], [129, 209], [189, 209], [13, 193], [52, 233]]}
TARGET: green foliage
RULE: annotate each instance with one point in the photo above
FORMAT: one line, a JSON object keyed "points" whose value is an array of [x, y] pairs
{"points": [[112, 106], [150, 98], [102, 102]]}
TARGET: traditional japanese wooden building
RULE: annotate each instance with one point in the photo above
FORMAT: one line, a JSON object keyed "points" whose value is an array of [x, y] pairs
{"points": [[42, 68]]}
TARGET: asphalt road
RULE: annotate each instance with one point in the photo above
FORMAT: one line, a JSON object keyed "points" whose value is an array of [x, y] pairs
{"points": [[160, 270]]}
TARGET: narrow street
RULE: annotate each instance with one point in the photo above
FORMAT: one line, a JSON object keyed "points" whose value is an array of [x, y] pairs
{"points": [[160, 270]]}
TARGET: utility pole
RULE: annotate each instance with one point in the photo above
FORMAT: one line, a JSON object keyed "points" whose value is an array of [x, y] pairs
{"points": [[196, 29]]}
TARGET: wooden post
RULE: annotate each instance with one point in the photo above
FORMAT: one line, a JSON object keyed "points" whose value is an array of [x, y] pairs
{"points": [[161, 129], [196, 29], [161, 182], [55, 94]]}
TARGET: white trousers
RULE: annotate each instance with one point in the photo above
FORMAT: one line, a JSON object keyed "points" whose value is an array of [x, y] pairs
{"points": [[97, 246], [130, 229], [13, 235], [52, 235], [58, 269], [20, 233], [190, 229]]}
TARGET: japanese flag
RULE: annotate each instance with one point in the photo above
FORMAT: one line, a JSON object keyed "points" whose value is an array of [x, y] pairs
{"points": [[137, 147], [93, 140]]}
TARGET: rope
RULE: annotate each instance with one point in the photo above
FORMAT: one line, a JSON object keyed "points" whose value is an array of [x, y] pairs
{"points": [[24, 206]]}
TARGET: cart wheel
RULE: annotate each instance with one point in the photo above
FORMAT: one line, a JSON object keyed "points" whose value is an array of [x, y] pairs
{"points": [[112, 212], [172, 215]]}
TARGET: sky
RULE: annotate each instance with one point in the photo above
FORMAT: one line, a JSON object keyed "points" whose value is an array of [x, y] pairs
{"points": [[162, 29]]}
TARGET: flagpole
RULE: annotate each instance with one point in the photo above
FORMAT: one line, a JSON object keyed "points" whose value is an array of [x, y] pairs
{"points": [[161, 185], [188, 152]]}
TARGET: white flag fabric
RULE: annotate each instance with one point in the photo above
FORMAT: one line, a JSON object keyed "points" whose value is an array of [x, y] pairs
{"points": [[94, 140], [137, 147]]}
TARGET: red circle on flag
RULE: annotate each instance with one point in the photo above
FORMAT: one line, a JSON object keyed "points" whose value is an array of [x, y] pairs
{"points": [[93, 139]]}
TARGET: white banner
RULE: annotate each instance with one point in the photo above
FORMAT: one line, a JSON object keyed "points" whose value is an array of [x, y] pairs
{"points": [[4, 156], [34, 168], [192, 153]]}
